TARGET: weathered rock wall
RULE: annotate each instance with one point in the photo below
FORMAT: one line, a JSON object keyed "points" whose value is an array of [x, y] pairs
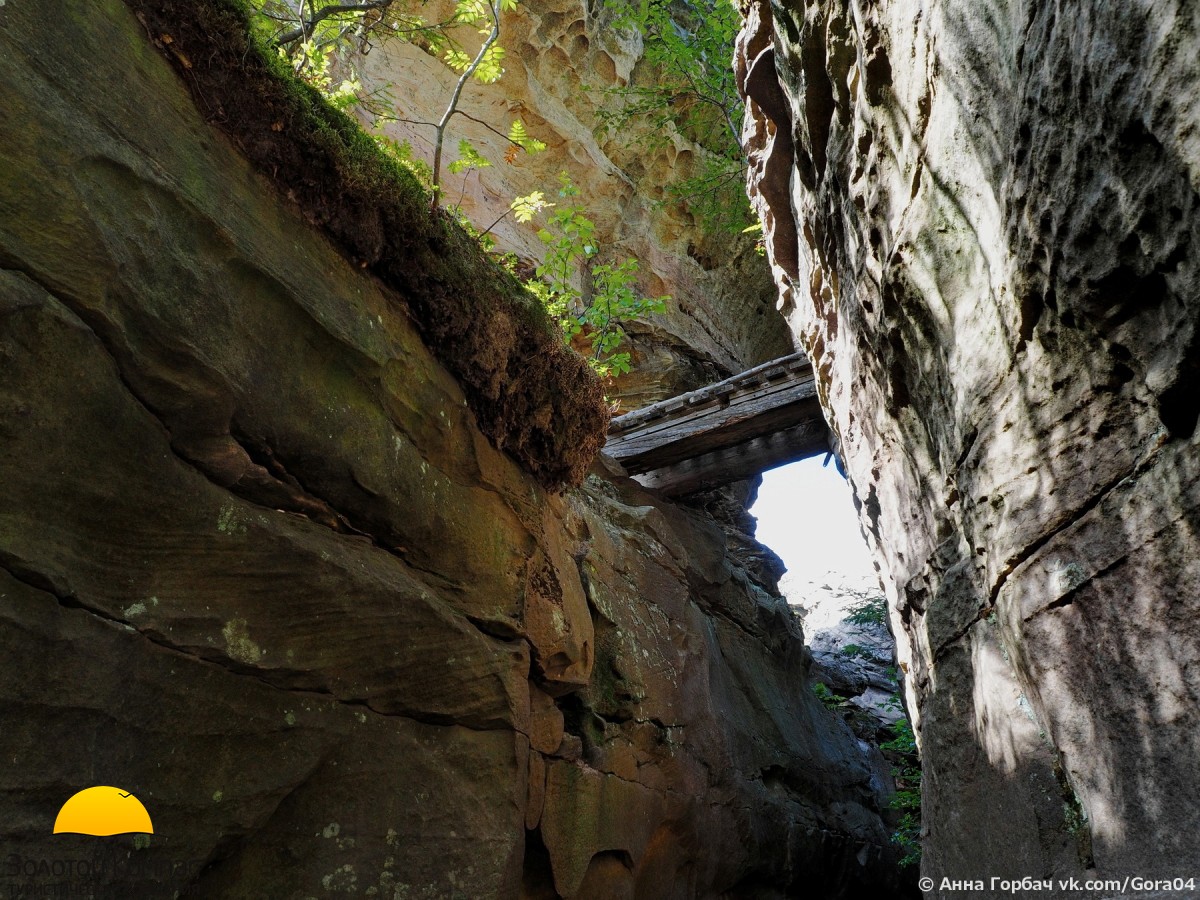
{"points": [[983, 217], [260, 566], [563, 59]]}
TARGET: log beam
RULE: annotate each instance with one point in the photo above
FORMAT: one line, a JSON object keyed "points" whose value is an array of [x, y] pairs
{"points": [[737, 428]]}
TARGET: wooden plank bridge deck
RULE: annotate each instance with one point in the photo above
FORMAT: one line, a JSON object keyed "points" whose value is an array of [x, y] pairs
{"points": [[734, 429]]}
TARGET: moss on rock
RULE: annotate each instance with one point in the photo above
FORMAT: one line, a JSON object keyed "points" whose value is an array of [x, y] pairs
{"points": [[530, 395]]}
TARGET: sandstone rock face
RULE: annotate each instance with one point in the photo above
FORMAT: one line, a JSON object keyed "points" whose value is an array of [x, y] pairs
{"points": [[563, 57], [259, 566], [983, 218]]}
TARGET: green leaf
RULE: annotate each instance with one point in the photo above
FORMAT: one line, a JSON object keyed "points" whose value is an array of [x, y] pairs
{"points": [[489, 69], [457, 59], [519, 136], [471, 12], [688, 91], [468, 158], [525, 208]]}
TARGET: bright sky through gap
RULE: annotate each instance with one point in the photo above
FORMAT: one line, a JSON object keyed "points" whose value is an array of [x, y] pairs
{"points": [[805, 514]]}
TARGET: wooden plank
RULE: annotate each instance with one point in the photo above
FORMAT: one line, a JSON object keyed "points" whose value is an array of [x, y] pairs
{"points": [[786, 368], [729, 464], [705, 435], [767, 400]]}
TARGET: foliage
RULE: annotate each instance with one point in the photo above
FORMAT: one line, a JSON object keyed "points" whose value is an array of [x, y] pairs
{"points": [[402, 153], [316, 36], [346, 26], [611, 296], [519, 137], [320, 36], [871, 611], [760, 247], [525, 208], [686, 88], [828, 698], [907, 800], [857, 651], [313, 62]]}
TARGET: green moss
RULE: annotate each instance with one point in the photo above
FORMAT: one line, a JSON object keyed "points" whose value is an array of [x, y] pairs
{"points": [[530, 395], [1075, 818]]}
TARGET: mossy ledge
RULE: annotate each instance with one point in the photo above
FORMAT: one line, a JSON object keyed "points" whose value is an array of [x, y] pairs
{"points": [[531, 395]]}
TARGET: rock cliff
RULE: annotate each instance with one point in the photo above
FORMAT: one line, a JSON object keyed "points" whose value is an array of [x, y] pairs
{"points": [[563, 60], [983, 219], [262, 564]]}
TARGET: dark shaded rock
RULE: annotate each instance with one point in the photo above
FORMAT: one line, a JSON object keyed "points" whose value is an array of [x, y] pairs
{"points": [[729, 507], [986, 243]]}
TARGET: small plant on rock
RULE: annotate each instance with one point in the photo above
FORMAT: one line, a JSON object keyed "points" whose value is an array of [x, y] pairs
{"points": [[871, 611], [610, 295], [857, 651], [902, 749], [831, 701]]}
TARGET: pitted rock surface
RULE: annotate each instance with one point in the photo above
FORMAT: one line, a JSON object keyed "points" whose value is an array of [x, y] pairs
{"points": [[983, 219]]}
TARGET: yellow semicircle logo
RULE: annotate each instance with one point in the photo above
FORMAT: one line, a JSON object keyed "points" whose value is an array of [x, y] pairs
{"points": [[102, 811]]}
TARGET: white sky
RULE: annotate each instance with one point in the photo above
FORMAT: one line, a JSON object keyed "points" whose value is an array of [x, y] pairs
{"points": [[806, 515]]}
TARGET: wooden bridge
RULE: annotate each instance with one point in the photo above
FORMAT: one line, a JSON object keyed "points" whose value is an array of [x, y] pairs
{"points": [[734, 429]]}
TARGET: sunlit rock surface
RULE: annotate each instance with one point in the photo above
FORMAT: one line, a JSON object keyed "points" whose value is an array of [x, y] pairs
{"points": [[259, 566], [983, 218], [853, 651], [562, 59]]}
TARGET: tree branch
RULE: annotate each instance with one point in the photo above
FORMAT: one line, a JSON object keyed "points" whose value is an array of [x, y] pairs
{"points": [[307, 25], [452, 107]]}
